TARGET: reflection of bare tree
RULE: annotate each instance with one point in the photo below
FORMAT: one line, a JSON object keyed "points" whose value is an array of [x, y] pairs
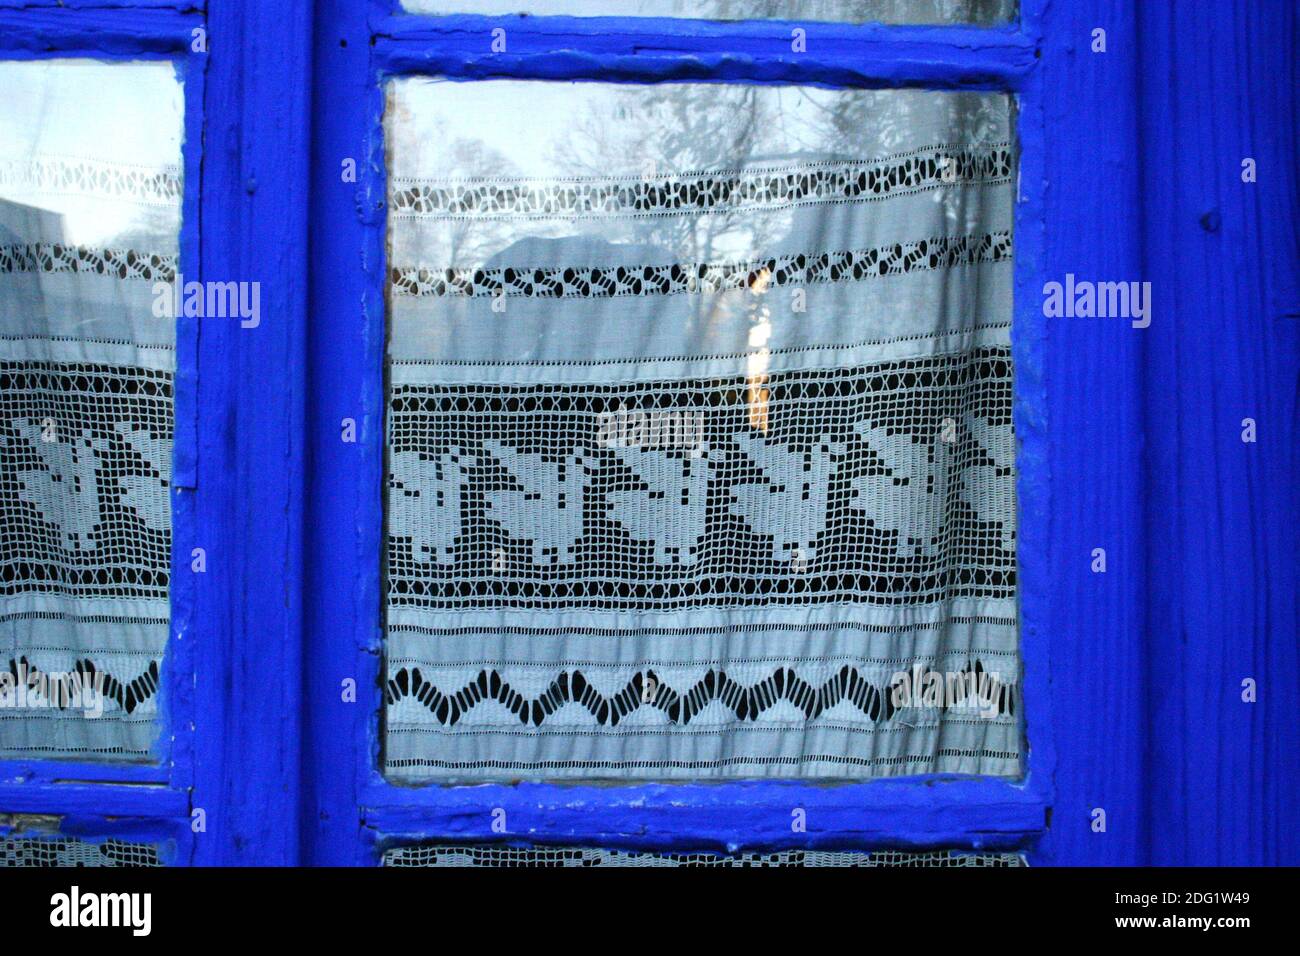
{"points": [[673, 132], [471, 240], [668, 131], [153, 229], [424, 146]]}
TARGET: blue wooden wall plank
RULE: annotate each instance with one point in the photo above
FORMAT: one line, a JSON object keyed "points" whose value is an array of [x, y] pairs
{"points": [[1220, 85], [250, 480], [1090, 166], [1035, 583], [106, 799], [188, 6]]}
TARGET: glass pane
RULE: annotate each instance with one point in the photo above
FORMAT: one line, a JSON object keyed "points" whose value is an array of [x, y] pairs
{"points": [[72, 852], [90, 199], [845, 11], [489, 856], [699, 432]]}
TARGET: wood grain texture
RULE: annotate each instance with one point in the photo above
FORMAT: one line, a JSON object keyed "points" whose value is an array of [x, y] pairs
{"points": [[1090, 169], [346, 375], [1218, 84], [251, 391]]}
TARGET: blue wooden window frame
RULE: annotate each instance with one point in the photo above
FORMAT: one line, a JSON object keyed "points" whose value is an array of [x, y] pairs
{"points": [[1131, 677], [235, 638], [355, 818]]}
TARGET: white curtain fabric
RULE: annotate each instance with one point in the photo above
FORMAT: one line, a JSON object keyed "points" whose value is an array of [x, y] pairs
{"points": [[699, 433], [90, 201]]}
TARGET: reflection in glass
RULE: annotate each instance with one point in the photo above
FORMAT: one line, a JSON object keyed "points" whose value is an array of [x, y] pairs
{"points": [[90, 201], [919, 12], [698, 431]]}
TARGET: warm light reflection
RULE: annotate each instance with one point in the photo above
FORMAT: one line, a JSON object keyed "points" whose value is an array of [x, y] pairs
{"points": [[757, 362]]}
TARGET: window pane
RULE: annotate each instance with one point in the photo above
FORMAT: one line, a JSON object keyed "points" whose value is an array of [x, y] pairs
{"points": [[699, 429], [72, 852], [847, 11], [90, 198], [488, 856]]}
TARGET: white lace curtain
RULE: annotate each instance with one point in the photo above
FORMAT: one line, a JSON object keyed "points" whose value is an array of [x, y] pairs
{"points": [[850, 11], [90, 198], [699, 432]]}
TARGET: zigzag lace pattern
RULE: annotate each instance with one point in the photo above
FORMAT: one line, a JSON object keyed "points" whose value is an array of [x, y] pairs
{"points": [[648, 690], [93, 177], [85, 480], [890, 484], [54, 257], [706, 192], [484, 855], [68, 851], [590, 282], [128, 695]]}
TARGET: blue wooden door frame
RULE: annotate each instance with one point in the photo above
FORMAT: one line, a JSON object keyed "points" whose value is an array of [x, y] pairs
{"points": [[1130, 438]]}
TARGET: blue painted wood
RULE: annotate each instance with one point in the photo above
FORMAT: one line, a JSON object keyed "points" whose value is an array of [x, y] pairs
{"points": [[1085, 169], [1129, 440], [1219, 84], [345, 480], [108, 34], [106, 799], [250, 476], [188, 6], [621, 49], [919, 812]]}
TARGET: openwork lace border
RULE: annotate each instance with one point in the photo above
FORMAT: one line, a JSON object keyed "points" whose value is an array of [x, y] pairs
{"points": [[86, 512], [502, 496], [63, 851], [54, 257], [647, 690], [128, 695], [62, 174], [506, 856], [905, 763], [706, 191], [594, 282]]}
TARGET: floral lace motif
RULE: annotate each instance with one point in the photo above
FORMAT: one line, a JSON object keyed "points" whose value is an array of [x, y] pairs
{"points": [[706, 192], [52, 257], [588, 282]]}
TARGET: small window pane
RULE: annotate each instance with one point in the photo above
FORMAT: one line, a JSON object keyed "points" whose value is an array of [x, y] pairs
{"points": [[699, 432], [71, 852], [491, 856], [846, 11], [90, 203]]}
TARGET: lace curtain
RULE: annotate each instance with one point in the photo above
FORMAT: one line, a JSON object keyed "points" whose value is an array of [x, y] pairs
{"points": [[90, 197], [700, 454], [850, 11]]}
